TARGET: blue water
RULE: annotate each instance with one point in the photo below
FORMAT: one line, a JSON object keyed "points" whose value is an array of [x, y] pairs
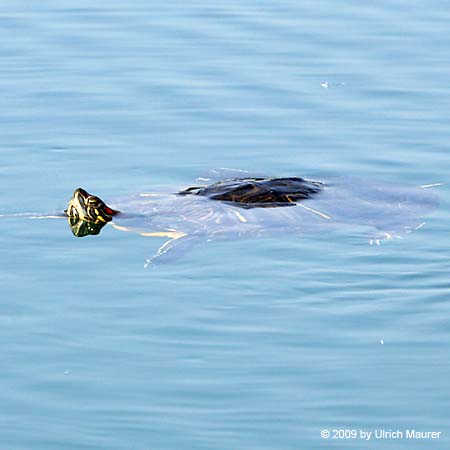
{"points": [[238, 345]]}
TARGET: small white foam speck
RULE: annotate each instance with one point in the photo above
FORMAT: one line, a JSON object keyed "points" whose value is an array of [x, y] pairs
{"points": [[425, 186], [382, 342]]}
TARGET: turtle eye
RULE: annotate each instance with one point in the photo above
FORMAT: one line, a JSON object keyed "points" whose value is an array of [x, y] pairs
{"points": [[73, 211], [93, 201]]}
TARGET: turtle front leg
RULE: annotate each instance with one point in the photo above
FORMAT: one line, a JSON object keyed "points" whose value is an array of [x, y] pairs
{"points": [[171, 249]]}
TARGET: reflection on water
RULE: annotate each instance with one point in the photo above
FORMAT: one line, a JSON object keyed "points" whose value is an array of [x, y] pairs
{"points": [[82, 228]]}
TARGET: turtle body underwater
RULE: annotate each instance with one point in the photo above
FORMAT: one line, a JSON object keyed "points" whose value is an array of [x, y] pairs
{"points": [[230, 204]]}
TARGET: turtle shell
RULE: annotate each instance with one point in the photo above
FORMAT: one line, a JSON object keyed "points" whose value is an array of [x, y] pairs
{"points": [[258, 192], [219, 210]]}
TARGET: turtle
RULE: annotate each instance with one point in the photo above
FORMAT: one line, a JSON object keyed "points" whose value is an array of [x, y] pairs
{"points": [[230, 203]]}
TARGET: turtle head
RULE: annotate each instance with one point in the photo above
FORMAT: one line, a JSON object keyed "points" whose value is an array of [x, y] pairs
{"points": [[90, 208]]}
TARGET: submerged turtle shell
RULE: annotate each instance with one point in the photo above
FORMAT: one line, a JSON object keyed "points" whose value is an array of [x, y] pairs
{"points": [[382, 210]]}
